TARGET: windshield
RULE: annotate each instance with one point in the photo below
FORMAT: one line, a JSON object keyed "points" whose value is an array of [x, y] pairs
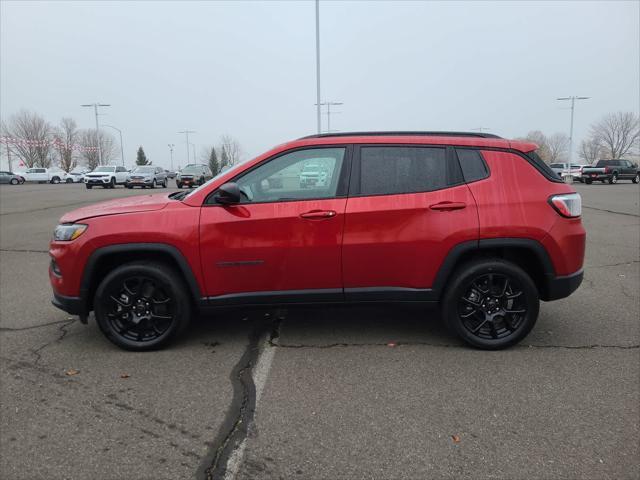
{"points": [[143, 170], [191, 170], [233, 169], [557, 165], [104, 169]]}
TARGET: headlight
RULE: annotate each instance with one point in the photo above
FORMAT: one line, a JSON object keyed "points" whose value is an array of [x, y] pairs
{"points": [[68, 231]]}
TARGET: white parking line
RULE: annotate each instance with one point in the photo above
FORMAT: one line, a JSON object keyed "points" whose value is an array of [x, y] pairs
{"points": [[260, 375]]}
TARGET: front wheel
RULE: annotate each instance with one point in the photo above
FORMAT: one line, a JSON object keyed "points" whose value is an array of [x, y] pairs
{"points": [[88, 186], [142, 306], [55, 180], [491, 304], [636, 179], [178, 184], [614, 179], [588, 181], [69, 180], [14, 181], [154, 184], [112, 183], [164, 183]]}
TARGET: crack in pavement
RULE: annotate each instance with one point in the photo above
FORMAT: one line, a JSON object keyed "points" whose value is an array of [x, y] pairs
{"points": [[631, 262], [443, 345], [241, 412], [33, 327], [18, 250], [611, 211], [63, 332]]}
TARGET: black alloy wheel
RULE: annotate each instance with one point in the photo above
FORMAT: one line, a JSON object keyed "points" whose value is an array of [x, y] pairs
{"points": [[491, 304], [141, 306]]}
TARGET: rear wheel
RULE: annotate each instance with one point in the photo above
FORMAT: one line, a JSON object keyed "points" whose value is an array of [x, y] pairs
{"points": [[636, 179], [491, 304], [55, 180], [112, 183], [69, 180], [142, 306], [178, 184], [588, 181], [154, 184], [164, 183], [614, 179]]}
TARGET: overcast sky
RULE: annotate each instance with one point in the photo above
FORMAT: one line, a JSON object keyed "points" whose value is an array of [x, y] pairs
{"points": [[248, 68]]}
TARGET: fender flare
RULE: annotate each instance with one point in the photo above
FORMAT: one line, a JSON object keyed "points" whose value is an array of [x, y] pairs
{"points": [[163, 248]]}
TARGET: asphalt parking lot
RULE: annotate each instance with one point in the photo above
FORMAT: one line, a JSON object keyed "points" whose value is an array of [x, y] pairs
{"points": [[353, 392]]}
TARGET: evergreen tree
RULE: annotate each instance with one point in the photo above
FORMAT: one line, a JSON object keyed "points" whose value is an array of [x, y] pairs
{"points": [[141, 158], [213, 162], [224, 158]]}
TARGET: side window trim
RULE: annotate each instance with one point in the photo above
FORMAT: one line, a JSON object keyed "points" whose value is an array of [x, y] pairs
{"points": [[343, 179], [484, 163]]}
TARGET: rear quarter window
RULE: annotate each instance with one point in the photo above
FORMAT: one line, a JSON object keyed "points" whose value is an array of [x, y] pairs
{"points": [[472, 165]]}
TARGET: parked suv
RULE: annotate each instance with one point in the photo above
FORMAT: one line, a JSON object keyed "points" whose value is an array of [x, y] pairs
{"points": [[106, 176], [193, 174], [402, 217], [147, 176]]}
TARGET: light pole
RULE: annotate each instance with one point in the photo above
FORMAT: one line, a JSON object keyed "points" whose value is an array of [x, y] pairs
{"points": [[121, 146], [480, 129], [95, 109], [328, 104], [171, 145], [186, 134], [318, 66], [573, 102], [194, 152]]}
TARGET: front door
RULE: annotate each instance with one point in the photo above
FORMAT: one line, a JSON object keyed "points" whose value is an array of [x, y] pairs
{"points": [[282, 242]]}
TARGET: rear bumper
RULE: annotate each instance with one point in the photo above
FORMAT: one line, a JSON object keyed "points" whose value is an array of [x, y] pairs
{"points": [[563, 286]]}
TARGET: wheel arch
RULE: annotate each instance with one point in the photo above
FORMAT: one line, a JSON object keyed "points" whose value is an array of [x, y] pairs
{"points": [[527, 253], [105, 259]]}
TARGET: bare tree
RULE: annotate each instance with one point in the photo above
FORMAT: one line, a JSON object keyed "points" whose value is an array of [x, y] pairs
{"points": [[90, 145], [30, 135], [591, 150], [230, 151], [540, 139], [558, 145], [619, 133], [67, 136]]}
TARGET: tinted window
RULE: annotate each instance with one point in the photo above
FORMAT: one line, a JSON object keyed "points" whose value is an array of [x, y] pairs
{"points": [[298, 175], [473, 167], [391, 170], [538, 164]]}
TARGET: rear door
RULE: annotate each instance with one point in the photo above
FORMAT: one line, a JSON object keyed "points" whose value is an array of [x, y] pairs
{"points": [[408, 207]]}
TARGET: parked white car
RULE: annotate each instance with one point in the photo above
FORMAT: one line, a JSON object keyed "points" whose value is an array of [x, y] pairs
{"points": [[44, 175], [106, 176]]}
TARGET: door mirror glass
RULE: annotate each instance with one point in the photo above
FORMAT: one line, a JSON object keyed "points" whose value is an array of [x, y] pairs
{"points": [[228, 194]]}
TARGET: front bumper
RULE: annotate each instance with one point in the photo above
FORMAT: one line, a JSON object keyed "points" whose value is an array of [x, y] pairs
{"points": [[563, 286], [97, 181]]}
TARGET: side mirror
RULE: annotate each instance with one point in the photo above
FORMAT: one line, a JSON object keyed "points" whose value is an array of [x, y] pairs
{"points": [[228, 194]]}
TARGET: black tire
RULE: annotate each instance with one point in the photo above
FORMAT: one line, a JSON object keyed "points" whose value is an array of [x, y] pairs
{"points": [[112, 183], [126, 185], [178, 184], [14, 181], [613, 179], [88, 186], [55, 180], [164, 183], [69, 180], [154, 184], [636, 179], [588, 182], [490, 303], [151, 294]]}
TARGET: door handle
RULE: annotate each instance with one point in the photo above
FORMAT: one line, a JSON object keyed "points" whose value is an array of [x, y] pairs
{"points": [[447, 206], [318, 214]]}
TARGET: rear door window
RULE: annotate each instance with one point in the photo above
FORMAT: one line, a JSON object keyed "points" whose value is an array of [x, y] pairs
{"points": [[392, 170]]}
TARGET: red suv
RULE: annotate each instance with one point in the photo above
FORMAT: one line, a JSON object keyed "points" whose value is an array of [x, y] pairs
{"points": [[473, 221]]}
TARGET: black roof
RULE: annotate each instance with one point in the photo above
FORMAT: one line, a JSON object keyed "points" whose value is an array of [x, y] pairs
{"points": [[404, 133]]}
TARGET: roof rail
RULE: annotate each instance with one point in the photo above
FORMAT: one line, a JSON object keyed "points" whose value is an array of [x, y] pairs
{"points": [[403, 133]]}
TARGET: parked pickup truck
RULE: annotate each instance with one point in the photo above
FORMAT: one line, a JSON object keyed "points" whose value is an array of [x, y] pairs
{"points": [[42, 175], [611, 171]]}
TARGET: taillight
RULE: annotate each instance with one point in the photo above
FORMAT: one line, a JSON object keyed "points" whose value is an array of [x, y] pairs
{"points": [[607, 170], [568, 205]]}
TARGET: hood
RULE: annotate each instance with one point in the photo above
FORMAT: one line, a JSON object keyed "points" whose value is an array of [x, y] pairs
{"points": [[99, 174], [142, 203]]}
